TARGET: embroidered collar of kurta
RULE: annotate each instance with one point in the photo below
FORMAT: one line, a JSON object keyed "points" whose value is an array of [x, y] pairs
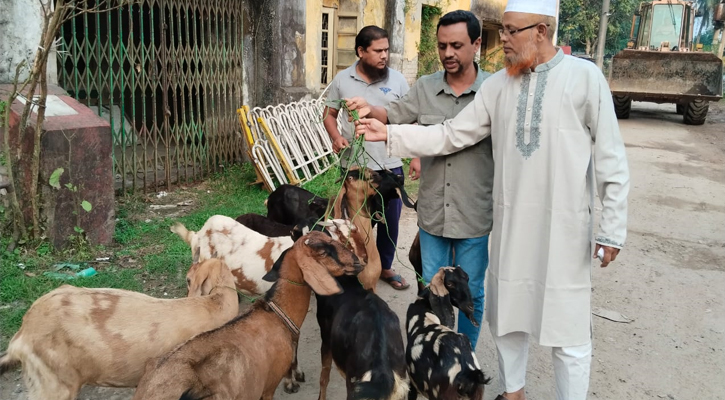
{"points": [[529, 108]]}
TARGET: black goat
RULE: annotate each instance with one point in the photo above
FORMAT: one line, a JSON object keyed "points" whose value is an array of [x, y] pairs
{"points": [[269, 228], [264, 225], [362, 335], [441, 362], [292, 205]]}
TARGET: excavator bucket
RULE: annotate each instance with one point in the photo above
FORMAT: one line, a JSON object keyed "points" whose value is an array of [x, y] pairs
{"points": [[666, 76]]}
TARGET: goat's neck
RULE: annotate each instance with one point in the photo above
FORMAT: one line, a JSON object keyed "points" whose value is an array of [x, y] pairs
{"points": [[225, 292], [354, 202], [291, 293], [424, 303]]}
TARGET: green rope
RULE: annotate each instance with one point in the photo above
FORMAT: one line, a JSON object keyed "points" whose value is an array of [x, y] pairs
{"points": [[358, 153]]}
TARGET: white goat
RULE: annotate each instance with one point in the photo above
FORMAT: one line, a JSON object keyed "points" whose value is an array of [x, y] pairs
{"points": [[73, 336]]}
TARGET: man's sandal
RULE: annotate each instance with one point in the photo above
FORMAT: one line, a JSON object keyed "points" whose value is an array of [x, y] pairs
{"points": [[396, 278]]}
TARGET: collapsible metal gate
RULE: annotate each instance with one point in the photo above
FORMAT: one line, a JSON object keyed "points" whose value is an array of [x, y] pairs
{"points": [[167, 74]]}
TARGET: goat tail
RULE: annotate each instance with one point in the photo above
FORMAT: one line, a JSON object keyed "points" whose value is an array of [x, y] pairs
{"points": [[179, 229], [8, 362], [378, 385]]}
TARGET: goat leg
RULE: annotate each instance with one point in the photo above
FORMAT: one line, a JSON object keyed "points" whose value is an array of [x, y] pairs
{"points": [[294, 374], [326, 356]]}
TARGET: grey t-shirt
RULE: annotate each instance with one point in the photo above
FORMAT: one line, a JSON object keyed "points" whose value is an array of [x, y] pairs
{"points": [[347, 84]]}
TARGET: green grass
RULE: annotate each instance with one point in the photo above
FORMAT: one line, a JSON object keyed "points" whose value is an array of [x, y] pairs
{"points": [[146, 256]]}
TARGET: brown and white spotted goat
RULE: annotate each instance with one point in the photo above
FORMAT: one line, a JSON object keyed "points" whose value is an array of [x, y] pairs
{"points": [[73, 336], [441, 362], [251, 255], [247, 358]]}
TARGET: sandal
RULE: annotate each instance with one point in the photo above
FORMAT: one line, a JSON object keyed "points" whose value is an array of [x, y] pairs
{"points": [[396, 278]]}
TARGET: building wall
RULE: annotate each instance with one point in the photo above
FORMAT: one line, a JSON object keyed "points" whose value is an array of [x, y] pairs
{"points": [[20, 29], [313, 42], [490, 11]]}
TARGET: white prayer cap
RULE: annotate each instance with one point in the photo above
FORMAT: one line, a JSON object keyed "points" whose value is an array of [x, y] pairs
{"points": [[540, 7]]}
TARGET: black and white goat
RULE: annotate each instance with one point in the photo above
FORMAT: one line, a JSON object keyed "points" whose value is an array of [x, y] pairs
{"points": [[441, 362], [362, 335]]}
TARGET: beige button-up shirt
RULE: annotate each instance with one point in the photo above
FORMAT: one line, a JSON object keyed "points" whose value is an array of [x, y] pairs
{"points": [[454, 199]]}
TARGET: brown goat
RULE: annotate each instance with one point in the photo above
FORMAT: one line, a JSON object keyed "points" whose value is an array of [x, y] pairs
{"points": [[247, 358], [73, 336], [350, 203]]}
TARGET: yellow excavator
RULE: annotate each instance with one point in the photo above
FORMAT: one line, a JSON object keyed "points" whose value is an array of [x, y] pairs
{"points": [[662, 65]]}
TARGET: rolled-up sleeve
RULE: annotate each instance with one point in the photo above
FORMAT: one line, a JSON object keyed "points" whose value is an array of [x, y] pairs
{"points": [[469, 127]]}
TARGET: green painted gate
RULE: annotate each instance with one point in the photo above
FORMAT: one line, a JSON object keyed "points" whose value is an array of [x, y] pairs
{"points": [[167, 74]]}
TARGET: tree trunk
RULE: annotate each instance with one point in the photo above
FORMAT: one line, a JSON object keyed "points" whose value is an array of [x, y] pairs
{"points": [[18, 219]]}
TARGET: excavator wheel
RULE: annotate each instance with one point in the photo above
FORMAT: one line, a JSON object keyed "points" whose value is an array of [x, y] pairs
{"points": [[696, 112], [622, 106]]}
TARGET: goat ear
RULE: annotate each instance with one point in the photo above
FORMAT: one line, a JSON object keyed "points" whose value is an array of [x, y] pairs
{"points": [[298, 231], [437, 283], [321, 281], [192, 278], [196, 255], [337, 209], [443, 308], [273, 273]]}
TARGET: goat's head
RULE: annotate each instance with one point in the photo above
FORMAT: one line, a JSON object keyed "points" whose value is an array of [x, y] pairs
{"points": [[468, 385], [448, 288], [359, 185], [391, 186], [317, 206], [320, 258], [205, 276], [342, 230]]}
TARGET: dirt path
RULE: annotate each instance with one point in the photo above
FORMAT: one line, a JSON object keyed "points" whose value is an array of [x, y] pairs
{"points": [[670, 280]]}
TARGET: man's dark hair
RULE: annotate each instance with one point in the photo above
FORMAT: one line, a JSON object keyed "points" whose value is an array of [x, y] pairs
{"points": [[454, 17], [367, 35]]}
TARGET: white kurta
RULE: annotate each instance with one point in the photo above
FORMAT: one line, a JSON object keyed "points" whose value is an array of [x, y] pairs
{"points": [[554, 134]]}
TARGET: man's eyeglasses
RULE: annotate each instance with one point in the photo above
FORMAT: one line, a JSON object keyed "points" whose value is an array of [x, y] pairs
{"points": [[511, 33]]}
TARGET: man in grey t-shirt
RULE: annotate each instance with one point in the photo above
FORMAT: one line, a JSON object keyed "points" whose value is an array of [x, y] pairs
{"points": [[455, 207], [371, 79]]}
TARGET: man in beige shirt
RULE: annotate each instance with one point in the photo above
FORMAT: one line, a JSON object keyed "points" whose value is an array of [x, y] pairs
{"points": [[454, 200]]}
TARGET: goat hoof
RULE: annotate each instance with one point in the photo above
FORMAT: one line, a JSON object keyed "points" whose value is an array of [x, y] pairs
{"points": [[299, 376], [293, 387]]}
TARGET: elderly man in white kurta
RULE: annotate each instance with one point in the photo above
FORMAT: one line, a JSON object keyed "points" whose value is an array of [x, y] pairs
{"points": [[555, 136]]}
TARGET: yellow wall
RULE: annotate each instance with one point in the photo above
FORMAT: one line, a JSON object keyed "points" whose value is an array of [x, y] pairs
{"points": [[313, 34], [374, 13]]}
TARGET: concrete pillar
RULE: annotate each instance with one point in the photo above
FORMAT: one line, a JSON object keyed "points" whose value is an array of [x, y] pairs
{"points": [[21, 24], [395, 25], [79, 141]]}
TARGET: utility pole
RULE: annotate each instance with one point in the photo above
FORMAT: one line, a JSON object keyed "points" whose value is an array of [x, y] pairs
{"points": [[603, 20]]}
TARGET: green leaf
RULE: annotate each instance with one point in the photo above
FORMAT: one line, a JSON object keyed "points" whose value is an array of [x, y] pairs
{"points": [[69, 186], [78, 229], [86, 206], [54, 180]]}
